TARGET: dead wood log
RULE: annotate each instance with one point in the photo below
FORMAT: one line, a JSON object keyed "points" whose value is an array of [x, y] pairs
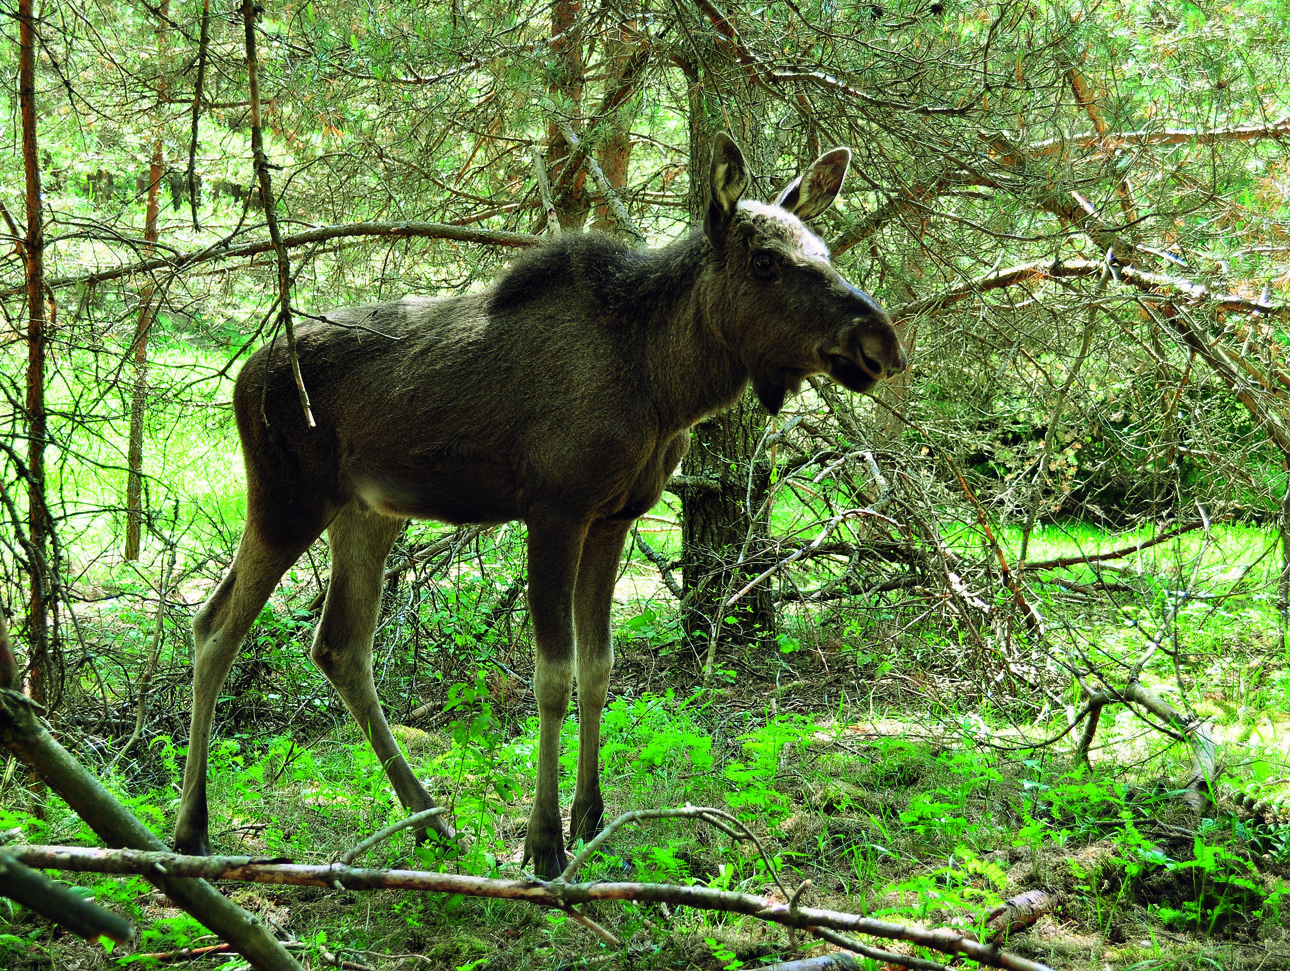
{"points": [[1195, 793], [22, 732], [1019, 912], [37, 892]]}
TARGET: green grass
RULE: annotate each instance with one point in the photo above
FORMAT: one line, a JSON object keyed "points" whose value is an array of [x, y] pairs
{"points": [[900, 828]]}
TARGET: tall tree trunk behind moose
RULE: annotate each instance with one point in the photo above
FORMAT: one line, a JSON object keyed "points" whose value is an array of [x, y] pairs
{"points": [[614, 151], [45, 676], [147, 313], [566, 66], [724, 518]]}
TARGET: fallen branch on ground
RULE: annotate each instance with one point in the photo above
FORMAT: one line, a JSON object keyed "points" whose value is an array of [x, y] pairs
{"points": [[555, 893], [1019, 912], [37, 892]]}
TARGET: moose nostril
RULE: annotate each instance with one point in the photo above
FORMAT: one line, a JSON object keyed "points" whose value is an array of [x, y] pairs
{"points": [[882, 354]]}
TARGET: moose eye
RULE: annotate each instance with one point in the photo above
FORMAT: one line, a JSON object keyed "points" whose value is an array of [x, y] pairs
{"points": [[763, 265]]}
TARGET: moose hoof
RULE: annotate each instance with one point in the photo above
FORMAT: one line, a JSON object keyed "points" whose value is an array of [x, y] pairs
{"points": [[547, 855], [586, 824], [192, 844]]}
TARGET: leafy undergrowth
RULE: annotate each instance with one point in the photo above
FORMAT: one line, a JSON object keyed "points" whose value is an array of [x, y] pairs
{"points": [[865, 779]]}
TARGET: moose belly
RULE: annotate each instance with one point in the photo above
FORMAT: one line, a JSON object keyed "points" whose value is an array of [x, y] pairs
{"points": [[445, 496]]}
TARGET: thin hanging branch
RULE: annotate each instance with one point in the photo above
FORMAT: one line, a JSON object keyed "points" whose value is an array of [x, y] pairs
{"points": [[621, 216], [1055, 416], [150, 666], [553, 226], [202, 49], [268, 203]]}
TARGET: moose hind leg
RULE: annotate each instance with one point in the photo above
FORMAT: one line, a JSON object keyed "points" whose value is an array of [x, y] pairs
{"points": [[218, 630], [360, 541], [593, 600]]}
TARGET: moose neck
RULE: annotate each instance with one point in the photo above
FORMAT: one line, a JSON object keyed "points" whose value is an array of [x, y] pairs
{"points": [[693, 372]]}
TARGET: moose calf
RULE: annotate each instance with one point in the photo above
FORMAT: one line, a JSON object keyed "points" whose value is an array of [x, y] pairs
{"points": [[561, 395]]}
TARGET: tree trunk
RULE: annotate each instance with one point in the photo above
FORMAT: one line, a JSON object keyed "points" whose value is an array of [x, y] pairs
{"points": [[724, 528], [147, 312], [139, 397], [614, 152], [39, 603], [568, 176]]}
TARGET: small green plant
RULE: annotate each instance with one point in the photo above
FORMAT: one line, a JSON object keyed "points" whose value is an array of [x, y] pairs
{"points": [[658, 627], [722, 952], [483, 767]]}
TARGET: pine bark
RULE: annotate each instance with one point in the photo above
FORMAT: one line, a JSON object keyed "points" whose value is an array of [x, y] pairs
{"points": [[39, 601], [725, 526]]}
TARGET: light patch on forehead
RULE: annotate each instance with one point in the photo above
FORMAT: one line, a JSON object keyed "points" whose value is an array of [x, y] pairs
{"points": [[777, 223]]}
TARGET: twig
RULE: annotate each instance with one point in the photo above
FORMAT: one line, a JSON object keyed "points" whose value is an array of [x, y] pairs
{"points": [[802, 551], [660, 561], [592, 926], [224, 250], [877, 954], [145, 679], [1046, 453], [837, 961], [381, 835], [188, 953], [553, 226], [1123, 551]]}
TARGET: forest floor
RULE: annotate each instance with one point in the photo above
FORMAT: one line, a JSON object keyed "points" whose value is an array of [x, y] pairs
{"points": [[897, 793]]}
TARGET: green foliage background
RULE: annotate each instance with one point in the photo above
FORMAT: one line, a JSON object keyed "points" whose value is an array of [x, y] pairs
{"points": [[1076, 212]]}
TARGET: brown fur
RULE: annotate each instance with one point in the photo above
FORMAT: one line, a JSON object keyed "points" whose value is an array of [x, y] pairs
{"points": [[563, 396]]}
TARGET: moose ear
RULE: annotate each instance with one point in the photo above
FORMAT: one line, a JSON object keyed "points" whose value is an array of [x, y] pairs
{"points": [[815, 189], [729, 179]]}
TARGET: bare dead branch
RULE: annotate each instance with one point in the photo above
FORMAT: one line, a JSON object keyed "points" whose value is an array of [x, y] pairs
{"points": [[1116, 554], [555, 893], [308, 237], [1166, 136], [1156, 288], [34, 890], [381, 835], [553, 226]]}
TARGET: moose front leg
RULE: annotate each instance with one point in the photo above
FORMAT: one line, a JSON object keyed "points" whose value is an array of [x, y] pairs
{"points": [[555, 545], [594, 597]]}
